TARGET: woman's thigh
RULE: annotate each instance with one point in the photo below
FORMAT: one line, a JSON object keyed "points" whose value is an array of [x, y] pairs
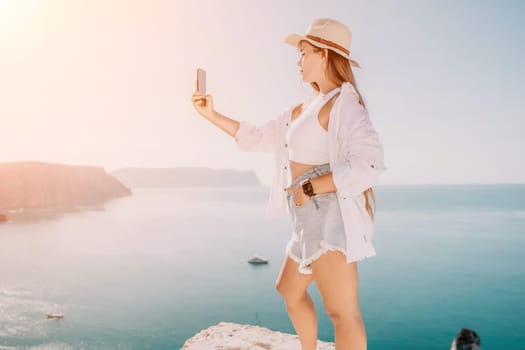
{"points": [[290, 283], [337, 282]]}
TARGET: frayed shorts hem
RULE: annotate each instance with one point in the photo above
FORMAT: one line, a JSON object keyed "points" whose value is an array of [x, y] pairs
{"points": [[304, 264]]}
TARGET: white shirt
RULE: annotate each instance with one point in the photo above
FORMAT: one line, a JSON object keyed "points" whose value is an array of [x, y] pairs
{"points": [[356, 161]]}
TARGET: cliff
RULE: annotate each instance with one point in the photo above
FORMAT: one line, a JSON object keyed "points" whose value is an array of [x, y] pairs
{"points": [[36, 185], [185, 177], [234, 336]]}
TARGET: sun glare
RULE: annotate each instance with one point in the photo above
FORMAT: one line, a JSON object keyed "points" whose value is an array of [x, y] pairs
{"points": [[16, 14]]}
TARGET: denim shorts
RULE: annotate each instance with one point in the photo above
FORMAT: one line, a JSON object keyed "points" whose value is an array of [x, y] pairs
{"points": [[317, 224]]}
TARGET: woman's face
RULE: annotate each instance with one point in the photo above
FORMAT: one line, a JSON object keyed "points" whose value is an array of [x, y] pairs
{"points": [[311, 64]]}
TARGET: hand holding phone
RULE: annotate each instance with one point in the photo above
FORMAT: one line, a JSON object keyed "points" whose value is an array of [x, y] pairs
{"points": [[202, 103], [201, 84]]}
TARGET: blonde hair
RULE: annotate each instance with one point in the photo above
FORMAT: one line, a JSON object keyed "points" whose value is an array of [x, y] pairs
{"points": [[339, 71]]}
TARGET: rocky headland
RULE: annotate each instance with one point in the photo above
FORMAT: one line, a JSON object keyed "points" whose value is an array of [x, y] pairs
{"points": [[26, 185]]}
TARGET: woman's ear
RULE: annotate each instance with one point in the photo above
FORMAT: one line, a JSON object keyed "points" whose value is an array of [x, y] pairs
{"points": [[325, 54]]}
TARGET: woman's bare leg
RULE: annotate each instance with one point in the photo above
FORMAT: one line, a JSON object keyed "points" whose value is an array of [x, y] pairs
{"points": [[292, 286], [337, 282]]}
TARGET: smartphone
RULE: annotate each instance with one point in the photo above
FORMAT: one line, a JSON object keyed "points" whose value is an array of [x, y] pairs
{"points": [[201, 83]]}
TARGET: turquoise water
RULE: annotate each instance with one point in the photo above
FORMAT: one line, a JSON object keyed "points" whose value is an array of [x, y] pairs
{"points": [[151, 270]]}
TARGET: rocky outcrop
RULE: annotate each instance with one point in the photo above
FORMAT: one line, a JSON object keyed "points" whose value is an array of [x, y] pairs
{"points": [[234, 336], [38, 185], [185, 177], [466, 339]]}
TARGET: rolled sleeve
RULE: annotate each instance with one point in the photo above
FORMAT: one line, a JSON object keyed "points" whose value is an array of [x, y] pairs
{"points": [[252, 138], [261, 138]]}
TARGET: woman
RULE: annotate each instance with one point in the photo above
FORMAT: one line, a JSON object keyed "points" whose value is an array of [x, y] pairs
{"points": [[327, 158]]}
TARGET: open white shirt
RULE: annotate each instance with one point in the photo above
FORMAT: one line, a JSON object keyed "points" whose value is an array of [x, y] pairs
{"points": [[356, 161]]}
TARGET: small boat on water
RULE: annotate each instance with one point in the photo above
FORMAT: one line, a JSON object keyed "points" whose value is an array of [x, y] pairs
{"points": [[55, 315], [258, 260]]}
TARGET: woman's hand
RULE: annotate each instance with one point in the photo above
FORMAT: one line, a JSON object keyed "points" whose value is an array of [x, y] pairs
{"points": [[298, 196], [207, 110]]}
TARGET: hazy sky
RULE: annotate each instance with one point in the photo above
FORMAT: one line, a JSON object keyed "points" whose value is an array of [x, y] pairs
{"points": [[109, 82]]}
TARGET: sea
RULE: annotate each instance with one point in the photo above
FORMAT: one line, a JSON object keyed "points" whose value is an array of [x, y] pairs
{"points": [[151, 270]]}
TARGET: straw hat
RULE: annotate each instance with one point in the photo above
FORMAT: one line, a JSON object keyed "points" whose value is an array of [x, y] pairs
{"points": [[326, 33]]}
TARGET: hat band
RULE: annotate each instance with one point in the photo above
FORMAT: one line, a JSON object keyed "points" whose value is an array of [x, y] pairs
{"points": [[328, 42]]}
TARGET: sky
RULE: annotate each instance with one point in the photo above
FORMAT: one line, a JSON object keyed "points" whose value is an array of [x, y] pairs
{"points": [[109, 82]]}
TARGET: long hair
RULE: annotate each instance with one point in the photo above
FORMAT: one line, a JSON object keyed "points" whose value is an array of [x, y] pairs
{"points": [[339, 71]]}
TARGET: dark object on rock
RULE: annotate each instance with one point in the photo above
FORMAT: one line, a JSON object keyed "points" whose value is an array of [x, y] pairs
{"points": [[3, 218], [466, 339]]}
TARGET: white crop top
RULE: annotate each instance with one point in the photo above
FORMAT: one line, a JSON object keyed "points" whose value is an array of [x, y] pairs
{"points": [[307, 140]]}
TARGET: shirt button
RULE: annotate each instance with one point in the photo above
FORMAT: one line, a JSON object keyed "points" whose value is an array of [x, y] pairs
{"points": [[285, 167], [286, 124], [285, 145]]}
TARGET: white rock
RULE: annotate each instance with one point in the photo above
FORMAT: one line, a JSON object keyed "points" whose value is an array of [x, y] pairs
{"points": [[235, 336]]}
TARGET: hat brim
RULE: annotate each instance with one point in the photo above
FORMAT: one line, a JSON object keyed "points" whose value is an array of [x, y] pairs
{"points": [[294, 39]]}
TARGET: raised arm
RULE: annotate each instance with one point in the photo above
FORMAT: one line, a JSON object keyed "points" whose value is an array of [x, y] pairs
{"points": [[228, 125], [248, 136]]}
